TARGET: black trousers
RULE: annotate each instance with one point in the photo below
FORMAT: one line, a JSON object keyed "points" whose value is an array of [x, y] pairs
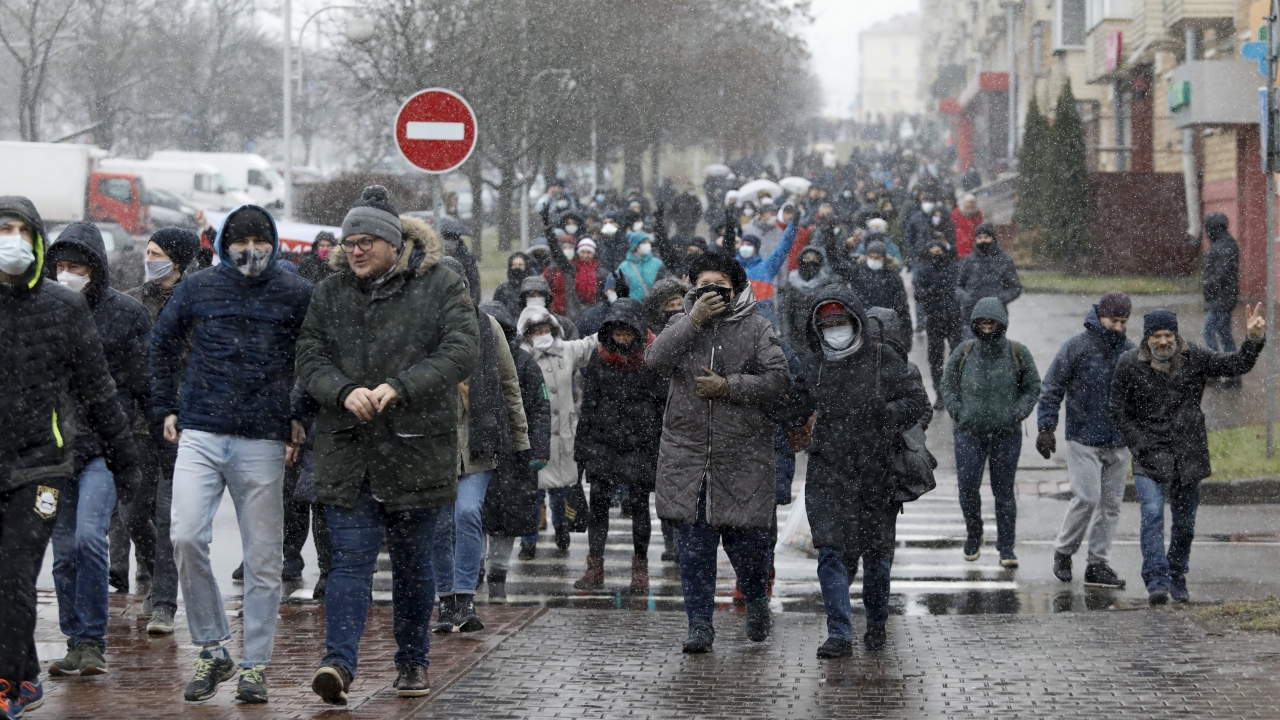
{"points": [[940, 334], [602, 489], [135, 522], [299, 517], [27, 516]]}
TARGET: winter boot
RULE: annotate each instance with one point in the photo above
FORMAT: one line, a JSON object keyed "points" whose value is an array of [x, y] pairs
{"points": [[701, 636], [528, 550], [447, 618], [874, 638], [1062, 567], [465, 614], [639, 575], [593, 578], [498, 586], [759, 620], [562, 539]]}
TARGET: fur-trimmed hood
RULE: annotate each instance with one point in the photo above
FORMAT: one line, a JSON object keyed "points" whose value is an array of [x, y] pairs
{"points": [[422, 249]]}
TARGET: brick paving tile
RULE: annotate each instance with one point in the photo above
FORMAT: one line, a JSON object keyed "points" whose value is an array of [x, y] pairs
{"points": [[147, 674]]}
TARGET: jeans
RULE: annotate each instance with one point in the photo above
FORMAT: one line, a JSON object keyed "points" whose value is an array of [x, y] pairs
{"points": [[253, 471], [357, 534], [80, 558], [1159, 569], [1097, 477], [750, 551], [27, 517], [556, 500], [459, 537], [1217, 331], [1001, 452], [637, 502], [834, 577]]}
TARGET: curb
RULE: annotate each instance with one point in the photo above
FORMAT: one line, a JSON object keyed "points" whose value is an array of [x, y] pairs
{"points": [[1257, 491]]}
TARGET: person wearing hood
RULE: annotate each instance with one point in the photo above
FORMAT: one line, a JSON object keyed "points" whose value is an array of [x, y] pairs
{"points": [[385, 344], [610, 287], [936, 271], [80, 569], [716, 474], [878, 229], [966, 219], [235, 327], [542, 335], [314, 264], [55, 379], [508, 293], [989, 387], [611, 242], [1155, 404], [986, 272], [535, 291], [491, 426], [511, 500], [803, 285], [1097, 460], [686, 209], [642, 267], [857, 396], [1221, 287], [618, 435], [915, 229], [874, 276]]}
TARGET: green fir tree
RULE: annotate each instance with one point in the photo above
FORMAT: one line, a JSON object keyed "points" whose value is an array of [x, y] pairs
{"points": [[1033, 171], [1070, 208]]}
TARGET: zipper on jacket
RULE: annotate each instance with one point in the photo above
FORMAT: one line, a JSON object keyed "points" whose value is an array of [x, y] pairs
{"points": [[57, 434]]}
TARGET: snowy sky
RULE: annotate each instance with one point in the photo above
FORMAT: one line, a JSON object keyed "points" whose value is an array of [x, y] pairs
{"points": [[833, 44]]}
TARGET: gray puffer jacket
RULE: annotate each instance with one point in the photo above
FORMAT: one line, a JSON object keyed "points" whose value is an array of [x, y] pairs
{"points": [[729, 439]]}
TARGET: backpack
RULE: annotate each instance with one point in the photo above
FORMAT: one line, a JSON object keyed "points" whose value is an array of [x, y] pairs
{"points": [[1016, 349], [911, 465]]}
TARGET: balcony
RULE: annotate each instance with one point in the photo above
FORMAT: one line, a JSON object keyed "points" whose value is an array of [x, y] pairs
{"points": [[1199, 13], [1104, 50], [1146, 33]]}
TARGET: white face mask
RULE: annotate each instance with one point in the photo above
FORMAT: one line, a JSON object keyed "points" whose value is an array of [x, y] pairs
{"points": [[748, 212], [611, 295], [747, 251], [571, 229], [839, 337], [637, 226], [157, 269], [543, 341], [568, 253], [875, 264], [74, 281], [562, 203], [538, 302], [643, 249], [926, 207], [936, 220], [609, 230], [16, 255]]}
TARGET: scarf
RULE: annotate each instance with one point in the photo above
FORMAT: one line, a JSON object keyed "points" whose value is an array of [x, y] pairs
{"points": [[585, 280], [559, 301], [626, 363]]}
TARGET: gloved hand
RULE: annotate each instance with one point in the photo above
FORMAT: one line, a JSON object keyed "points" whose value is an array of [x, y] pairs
{"points": [[711, 385], [127, 482], [621, 285], [1046, 443], [706, 307], [537, 464]]}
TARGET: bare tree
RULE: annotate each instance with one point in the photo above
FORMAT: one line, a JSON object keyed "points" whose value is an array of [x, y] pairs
{"points": [[34, 32]]}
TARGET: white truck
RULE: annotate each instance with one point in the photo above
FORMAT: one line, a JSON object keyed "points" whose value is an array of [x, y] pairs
{"points": [[200, 184], [67, 183], [247, 172]]}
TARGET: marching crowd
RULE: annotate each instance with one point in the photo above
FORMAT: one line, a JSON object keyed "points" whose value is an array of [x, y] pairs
{"points": [[368, 395]]}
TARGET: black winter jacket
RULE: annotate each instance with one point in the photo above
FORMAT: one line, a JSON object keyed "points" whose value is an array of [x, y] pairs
{"points": [[986, 274], [1158, 414], [935, 288], [1222, 273]]}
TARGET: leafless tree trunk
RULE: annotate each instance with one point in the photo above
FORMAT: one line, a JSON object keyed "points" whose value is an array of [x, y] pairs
{"points": [[34, 32]]}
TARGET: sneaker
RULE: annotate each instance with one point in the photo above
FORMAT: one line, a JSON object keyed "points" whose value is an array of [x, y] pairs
{"points": [[972, 548], [445, 619], [69, 665], [1157, 597], [412, 681], [1008, 560], [292, 569], [835, 648], [874, 638], [759, 620], [161, 622], [331, 683], [31, 695], [465, 614], [1101, 575], [252, 687], [317, 593], [9, 707], [238, 573], [209, 672], [1178, 591], [670, 555], [701, 636], [118, 581], [1062, 568], [562, 539], [528, 550], [92, 661]]}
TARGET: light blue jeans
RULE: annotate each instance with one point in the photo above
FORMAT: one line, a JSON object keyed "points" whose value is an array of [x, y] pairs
{"points": [[459, 537], [80, 556], [253, 471]]}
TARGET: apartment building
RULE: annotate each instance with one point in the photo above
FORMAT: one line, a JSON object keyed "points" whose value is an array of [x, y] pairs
{"points": [[889, 68]]}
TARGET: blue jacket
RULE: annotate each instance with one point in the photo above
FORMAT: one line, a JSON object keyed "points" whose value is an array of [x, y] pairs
{"points": [[242, 332], [762, 271], [1082, 371]]}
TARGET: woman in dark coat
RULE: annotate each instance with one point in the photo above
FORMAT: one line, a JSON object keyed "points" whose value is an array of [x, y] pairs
{"points": [[314, 264], [861, 396], [935, 286], [618, 435]]}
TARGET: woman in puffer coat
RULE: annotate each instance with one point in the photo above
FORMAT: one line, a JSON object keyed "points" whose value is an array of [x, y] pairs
{"points": [[618, 437], [542, 336]]}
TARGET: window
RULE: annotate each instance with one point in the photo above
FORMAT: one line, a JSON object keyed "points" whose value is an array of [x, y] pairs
{"points": [[259, 178], [1068, 24], [209, 184], [117, 189]]}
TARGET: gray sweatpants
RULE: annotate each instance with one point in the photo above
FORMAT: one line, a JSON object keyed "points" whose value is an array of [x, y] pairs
{"points": [[1097, 478]]}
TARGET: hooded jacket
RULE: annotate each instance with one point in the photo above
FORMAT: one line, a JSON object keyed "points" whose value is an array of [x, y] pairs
{"points": [[124, 327], [1082, 372], [539, 284], [1221, 268], [761, 271], [51, 360], [935, 288], [986, 274], [992, 393], [659, 295], [641, 271], [795, 302], [728, 440], [558, 364], [417, 331]]}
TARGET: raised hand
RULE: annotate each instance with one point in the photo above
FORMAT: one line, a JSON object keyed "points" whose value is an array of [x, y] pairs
{"points": [[1255, 322]]}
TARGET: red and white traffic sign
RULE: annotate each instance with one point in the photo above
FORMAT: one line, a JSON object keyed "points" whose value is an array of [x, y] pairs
{"points": [[436, 130]]}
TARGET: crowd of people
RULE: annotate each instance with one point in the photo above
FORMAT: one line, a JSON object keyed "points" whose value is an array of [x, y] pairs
{"points": [[369, 396]]}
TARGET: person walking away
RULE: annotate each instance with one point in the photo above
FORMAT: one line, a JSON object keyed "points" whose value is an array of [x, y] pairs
{"points": [[618, 435], [716, 461], [314, 265], [80, 557], [936, 274], [965, 219], [990, 386], [986, 272], [235, 325], [864, 395], [804, 283], [1097, 460], [51, 363], [1221, 288], [1155, 404], [491, 424]]}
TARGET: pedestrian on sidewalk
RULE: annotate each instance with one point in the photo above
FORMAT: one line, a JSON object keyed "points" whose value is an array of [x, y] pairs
{"points": [[1155, 404], [1097, 460], [966, 218], [874, 275], [663, 303], [80, 558], [864, 394], [936, 273], [385, 344], [234, 326], [618, 435], [986, 272], [716, 474], [491, 425], [52, 363], [804, 283], [1221, 288], [990, 386]]}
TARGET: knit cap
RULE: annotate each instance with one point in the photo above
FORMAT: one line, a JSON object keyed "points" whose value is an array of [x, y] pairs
{"points": [[831, 312], [1157, 320], [373, 215], [587, 243], [179, 244], [1115, 305]]}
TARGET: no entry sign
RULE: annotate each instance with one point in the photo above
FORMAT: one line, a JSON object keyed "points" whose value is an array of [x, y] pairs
{"points": [[436, 130]]}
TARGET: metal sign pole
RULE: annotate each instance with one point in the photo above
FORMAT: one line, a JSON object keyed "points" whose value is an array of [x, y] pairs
{"points": [[1268, 165]]}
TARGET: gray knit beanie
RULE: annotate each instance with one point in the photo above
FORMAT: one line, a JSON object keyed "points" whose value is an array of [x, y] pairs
{"points": [[373, 215]]}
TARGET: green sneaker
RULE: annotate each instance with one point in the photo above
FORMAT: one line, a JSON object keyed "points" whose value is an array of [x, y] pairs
{"points": [[69, 665], [209, 672], [92, 661], [253, 685]]}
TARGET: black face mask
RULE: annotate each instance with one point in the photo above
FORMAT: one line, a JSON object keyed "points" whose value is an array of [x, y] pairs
{"points": [[724, 292], [987, 248], [515, 276], [667, 315], [993, 335], [809, 271]]}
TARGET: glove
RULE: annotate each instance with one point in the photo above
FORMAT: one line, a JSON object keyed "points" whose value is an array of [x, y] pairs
{"points": [[621, 285], [708, 306], [127, 482], [1046, 443], [711, 385], [537, 464]]}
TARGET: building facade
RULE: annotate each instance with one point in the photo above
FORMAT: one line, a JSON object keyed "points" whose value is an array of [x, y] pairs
{"points": [[889, 69]]}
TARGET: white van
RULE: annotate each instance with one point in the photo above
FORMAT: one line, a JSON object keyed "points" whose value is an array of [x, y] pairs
{"points": [[197, 183], [247, 172]]}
